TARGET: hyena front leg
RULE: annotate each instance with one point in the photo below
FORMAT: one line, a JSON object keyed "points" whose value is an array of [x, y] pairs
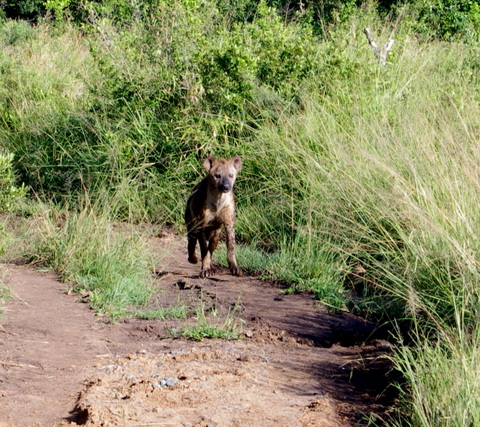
{"points": [[207, 269], [232, 262]]}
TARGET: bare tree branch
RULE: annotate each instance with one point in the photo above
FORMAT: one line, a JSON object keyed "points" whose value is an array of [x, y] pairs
{"points": [[382, 52]]}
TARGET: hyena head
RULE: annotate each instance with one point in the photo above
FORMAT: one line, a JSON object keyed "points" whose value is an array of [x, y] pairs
{"points": [[222, 173]]}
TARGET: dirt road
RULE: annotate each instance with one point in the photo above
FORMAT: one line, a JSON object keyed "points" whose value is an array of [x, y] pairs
{"points": [[296, 365]]}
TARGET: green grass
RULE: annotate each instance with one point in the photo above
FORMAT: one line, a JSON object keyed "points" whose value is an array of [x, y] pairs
{"points": [[384, 175], [301, 268], [111, 263], [444, 383], [210, 324], [5, 293]]}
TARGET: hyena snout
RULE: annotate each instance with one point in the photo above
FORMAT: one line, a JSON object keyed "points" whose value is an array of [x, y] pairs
{"points": [[225, 185], [223, 180]]}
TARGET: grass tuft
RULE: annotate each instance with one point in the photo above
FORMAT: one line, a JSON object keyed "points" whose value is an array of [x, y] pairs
{"points": [[111, 264], [210, 324]]}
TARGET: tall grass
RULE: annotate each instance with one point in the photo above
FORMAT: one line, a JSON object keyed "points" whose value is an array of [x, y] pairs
{"points": [[443, 380], [386, 176]]}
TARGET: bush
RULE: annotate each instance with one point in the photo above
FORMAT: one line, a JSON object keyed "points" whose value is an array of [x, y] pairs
{"points": [[449, 19], [16, 32], [265, 53], [23, 9], [149, 96]]}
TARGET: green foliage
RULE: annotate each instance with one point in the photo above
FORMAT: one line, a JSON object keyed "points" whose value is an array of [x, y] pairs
{"points": [[265, 53], [252, 259], [164, 313], [9, 193], [57, 6], [238, 10], [449, 19], [23, 9], [148, 98], [16, 32], [5, 293], [353, 170], [444, 383]]}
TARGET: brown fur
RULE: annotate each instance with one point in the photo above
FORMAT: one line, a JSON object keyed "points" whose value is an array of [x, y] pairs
{"points": [[211, 206]]}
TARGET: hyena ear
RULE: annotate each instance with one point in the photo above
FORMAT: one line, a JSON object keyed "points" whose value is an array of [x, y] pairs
{"points": [[237, 162], [208, 162]]}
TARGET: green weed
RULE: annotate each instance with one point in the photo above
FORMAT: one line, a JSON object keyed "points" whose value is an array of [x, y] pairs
{"points": [[10, 194], [5, 292], [444, 382], [209, 324]]}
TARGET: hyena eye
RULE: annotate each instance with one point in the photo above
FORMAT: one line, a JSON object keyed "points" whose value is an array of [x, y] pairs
{"points": [[218, 176], [230, 175]]}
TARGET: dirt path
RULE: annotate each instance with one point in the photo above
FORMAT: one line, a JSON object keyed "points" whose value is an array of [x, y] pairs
{"points": [[296, 366]]}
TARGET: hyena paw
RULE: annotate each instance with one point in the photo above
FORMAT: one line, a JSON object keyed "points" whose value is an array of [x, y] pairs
{"points": [[208, 272], [235, 271], [192, 259]]}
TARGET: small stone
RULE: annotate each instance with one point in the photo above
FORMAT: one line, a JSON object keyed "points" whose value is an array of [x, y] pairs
{"points": [[244, 358], [171, 382]]}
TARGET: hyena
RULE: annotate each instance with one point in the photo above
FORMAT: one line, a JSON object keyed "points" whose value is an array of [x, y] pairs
{"points": [[210, 206]]}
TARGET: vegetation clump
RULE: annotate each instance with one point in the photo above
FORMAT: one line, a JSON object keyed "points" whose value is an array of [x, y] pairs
{"points": [[10, 193]]}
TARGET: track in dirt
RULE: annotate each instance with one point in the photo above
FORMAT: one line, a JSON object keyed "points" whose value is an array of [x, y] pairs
{"points": [[296, 366]]}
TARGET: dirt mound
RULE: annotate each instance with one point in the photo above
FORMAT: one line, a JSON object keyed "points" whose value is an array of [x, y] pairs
{"points": [[295, 365], [203, 386]]}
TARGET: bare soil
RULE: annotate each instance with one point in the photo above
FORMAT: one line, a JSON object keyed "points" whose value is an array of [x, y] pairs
{"points": [[296, 364]]}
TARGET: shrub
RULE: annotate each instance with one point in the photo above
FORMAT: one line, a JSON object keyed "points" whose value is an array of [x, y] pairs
{"points": [[16, 32], [449, 19], [264, 53], [23, 9]]}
